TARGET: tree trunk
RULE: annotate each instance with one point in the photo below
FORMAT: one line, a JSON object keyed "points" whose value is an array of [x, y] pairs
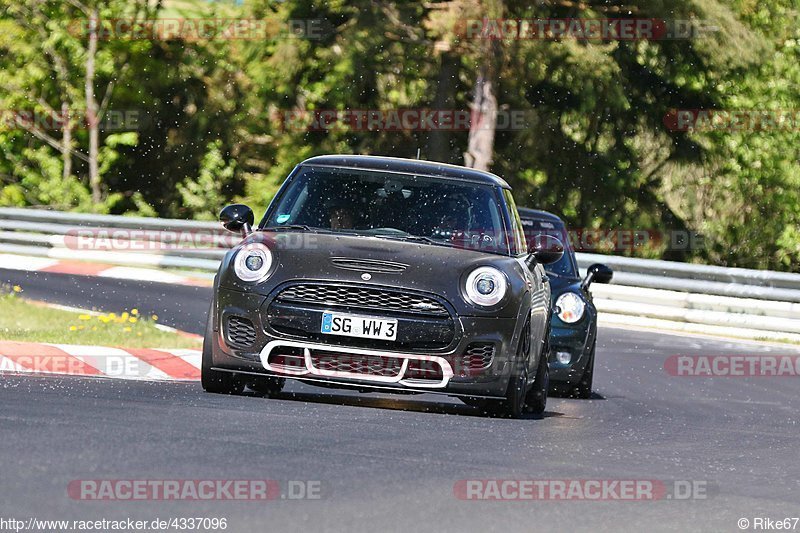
{"points": [[480, 147], [66, 141], [439, 148], [92, 120]]}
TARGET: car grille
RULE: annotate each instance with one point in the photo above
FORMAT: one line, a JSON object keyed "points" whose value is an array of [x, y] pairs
{"points": [[362, 298], [241, 331], [307, 361], [356, 364], [477, 356]]}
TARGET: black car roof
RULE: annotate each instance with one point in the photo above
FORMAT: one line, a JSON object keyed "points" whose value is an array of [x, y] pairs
{"points": [[538, 214], [409, 166]]}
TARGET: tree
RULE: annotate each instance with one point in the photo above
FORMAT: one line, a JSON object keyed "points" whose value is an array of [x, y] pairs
{"points": [[64, 63]]}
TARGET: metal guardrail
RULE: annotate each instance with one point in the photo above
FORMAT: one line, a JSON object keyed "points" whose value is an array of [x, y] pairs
{"points": [[713, 296], [700, 279], [672, 269]]}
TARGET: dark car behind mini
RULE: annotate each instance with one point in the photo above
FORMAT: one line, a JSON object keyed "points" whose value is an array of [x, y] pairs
{"points": [[573, 335]]}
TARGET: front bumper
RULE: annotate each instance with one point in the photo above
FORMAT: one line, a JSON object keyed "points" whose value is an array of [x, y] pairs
{"points": [[351, 363], [577, 341]]}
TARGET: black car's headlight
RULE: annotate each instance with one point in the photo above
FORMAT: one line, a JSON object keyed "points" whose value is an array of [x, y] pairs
{"points": [[570, 307], [252, 263], [485, 286]]}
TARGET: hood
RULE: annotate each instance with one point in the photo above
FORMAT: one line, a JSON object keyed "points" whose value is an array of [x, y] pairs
{"points": [[561, 284], [378, 262]]}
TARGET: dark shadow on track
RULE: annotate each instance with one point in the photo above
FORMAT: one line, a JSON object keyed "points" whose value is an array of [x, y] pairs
{"points": [[393, 404], [571, 396]]}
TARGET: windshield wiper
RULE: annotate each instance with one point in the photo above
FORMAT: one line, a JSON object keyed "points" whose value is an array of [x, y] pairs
{"points": [[302, 227], [417, 238]]}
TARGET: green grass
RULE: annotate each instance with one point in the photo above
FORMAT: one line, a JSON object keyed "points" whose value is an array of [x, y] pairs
{"points": [[24, 321]]}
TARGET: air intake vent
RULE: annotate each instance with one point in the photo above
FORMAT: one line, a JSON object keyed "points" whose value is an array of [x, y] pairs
{"points": [[368, 265], [241, 331], [478, 356], [356, 363]]}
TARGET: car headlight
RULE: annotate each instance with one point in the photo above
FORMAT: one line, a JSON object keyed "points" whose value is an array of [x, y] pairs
{"points": [[570, 307], [486, 286], [252, 262]]}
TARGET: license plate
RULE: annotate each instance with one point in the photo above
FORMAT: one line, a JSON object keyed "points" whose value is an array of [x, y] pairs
{"points": [[359, 326]]}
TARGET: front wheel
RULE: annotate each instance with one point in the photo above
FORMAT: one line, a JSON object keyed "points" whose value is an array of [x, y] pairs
{"points": [[215, 381], [584, 388], [536, 401], [513, 406]]}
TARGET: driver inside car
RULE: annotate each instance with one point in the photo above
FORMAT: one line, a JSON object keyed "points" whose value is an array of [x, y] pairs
{"points": [[456, 219], [340, 214]]}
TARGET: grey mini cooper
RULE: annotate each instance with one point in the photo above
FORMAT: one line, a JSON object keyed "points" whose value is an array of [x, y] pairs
{"points": [[384, 274]]}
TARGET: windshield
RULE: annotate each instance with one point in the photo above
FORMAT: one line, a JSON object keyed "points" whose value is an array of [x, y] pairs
{"points": [[536, 227], [437, 211]]}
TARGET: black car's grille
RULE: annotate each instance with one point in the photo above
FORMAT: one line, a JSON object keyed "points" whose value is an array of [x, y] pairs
{"points": [[241, 331], [477, 356], [362, 298], [356, 364]]}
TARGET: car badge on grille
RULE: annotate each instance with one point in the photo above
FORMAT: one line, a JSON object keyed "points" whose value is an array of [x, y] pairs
{"points": [[424, 306], [366, 276]]}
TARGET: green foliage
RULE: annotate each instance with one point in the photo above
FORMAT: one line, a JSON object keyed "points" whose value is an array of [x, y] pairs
{"points": [[203, 196], [216, 114]]}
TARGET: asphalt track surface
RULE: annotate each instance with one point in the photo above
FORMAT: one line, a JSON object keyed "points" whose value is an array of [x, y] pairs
{"points": [[388, 463]]}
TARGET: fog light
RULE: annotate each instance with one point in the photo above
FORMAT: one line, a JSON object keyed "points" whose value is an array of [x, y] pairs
{"points": [[563, 357]]}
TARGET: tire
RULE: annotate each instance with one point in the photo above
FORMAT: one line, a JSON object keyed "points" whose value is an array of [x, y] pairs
{"points": [[215, 381], [514, 404], [584, 388], [268, 386], [536, 400]]}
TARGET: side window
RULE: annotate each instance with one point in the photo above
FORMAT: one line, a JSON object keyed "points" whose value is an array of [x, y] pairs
{"points": [[517, 239]]}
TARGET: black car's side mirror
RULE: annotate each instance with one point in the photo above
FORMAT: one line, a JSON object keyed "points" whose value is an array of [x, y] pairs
{"points": [[237, 218], [545, 249], [597, 273]]}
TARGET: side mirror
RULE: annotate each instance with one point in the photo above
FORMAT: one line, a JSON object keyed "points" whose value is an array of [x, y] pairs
{"points": [[237, 218], [545, 249], [597, 273]]}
